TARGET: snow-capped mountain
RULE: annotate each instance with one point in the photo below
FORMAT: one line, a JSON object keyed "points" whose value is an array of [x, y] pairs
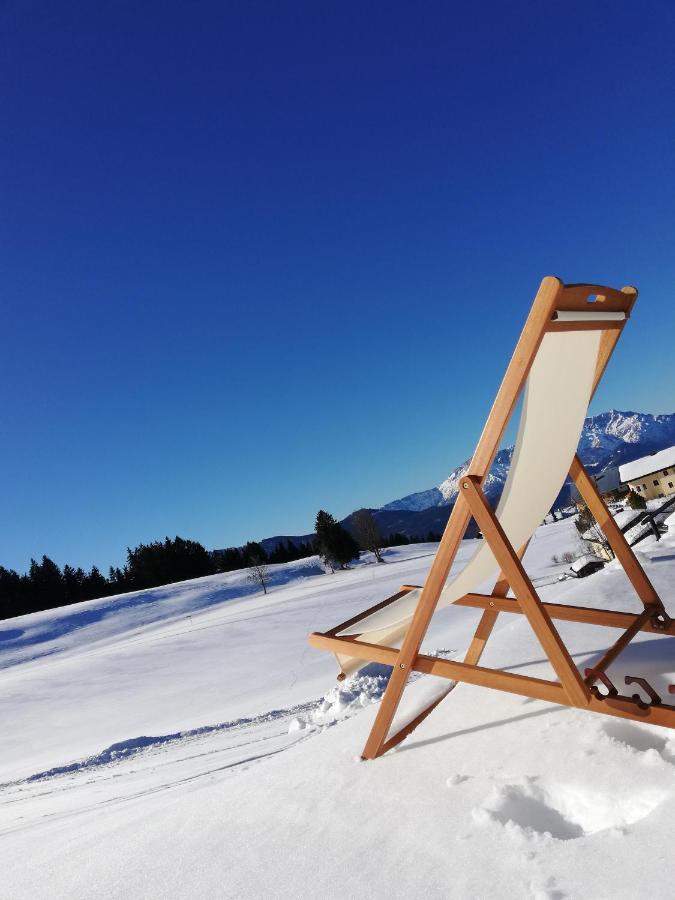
{"points": [[608, 439], [614, 437]]}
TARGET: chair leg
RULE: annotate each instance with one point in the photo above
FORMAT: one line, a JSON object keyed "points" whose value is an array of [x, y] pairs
{"points": [[527, 597], [489, 617], [452, 536], [479, 640], [412, 725]]}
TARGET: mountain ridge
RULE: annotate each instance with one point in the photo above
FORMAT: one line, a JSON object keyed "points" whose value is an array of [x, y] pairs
{"points": [[608, 439]]}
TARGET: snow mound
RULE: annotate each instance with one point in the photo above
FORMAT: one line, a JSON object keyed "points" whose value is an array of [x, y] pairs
{"points": [[345, 699]]}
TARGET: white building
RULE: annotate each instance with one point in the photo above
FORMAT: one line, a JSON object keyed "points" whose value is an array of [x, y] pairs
{"points": [[651, 476]]}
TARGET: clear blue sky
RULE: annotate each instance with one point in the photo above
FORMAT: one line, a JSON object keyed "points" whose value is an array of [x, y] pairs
{"points": [[243, 246]]}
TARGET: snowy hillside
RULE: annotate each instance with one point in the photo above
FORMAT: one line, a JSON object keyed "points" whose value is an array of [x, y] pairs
{"points": [[607, 439], [186, 742]]}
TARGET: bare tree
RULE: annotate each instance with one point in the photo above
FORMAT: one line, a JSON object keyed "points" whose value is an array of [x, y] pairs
{"points": [[367, 533], [586, 525], [259, 572]]}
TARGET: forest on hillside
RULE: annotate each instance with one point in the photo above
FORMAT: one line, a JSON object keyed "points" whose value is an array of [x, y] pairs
{"points": [[46, 586]]}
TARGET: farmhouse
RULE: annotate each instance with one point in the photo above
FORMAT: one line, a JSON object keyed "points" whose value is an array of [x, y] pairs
{"points": [[651, 476], [607, 482]]}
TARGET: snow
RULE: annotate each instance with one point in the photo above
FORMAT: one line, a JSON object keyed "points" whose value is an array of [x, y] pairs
{"points": [[187, 742], [646, 465], [624, 516]]}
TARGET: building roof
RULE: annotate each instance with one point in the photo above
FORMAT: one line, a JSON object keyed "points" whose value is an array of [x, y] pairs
{"points": [[579, 564], [646, 465]]}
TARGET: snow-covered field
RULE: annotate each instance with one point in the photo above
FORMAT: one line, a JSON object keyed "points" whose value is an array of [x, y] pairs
{"points": [[187, 742]]}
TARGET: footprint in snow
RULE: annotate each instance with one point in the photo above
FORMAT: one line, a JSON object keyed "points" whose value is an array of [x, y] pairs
{"points": [[639, 738], [456, 779], [565, 811]]}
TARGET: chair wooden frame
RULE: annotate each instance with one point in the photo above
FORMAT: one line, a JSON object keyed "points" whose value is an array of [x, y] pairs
{"points": [[571, 688]]}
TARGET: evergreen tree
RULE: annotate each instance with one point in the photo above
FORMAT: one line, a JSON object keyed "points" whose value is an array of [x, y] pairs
{"points": [[253, 552], [12, 593], [396, 539], [46, 585], [230, 559], [73, 580], [150, 565], [636, 501], [336, 547], [280, 554], [94, 584]]}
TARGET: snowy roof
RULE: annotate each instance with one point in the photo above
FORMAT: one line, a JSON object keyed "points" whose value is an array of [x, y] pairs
{"points": [[584, 560], [669, 522], [664, 459]]}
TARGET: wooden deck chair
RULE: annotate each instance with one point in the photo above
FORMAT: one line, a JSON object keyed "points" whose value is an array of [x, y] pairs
{"points": [[559, 359]]}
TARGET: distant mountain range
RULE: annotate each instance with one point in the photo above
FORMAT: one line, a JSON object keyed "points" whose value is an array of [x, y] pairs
{"points": [[607, 440]]}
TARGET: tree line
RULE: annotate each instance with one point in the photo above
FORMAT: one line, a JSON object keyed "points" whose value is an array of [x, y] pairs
{"points": [[46, 586]]}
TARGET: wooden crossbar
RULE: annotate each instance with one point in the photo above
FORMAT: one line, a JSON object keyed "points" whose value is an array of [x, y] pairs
{"points": [[571, 689], [445, 668], [596, 325], [524, 685], [587, 615]]}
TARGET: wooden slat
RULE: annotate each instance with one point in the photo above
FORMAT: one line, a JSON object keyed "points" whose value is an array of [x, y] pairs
{"points": [[526, 595], [584, 614], [489, 617], [405, 589], [609, 339], [574, 297], [452, 536], [595, 325], [403, 733], [516, 374], [481, 635], [445, 668]]}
